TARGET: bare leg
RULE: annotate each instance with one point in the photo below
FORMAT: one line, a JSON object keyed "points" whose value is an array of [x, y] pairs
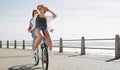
{"points": [[38, 39], [49, 41]]}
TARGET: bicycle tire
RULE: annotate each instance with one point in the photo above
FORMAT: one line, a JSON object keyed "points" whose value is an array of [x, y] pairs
{"points": [[45, 56]]}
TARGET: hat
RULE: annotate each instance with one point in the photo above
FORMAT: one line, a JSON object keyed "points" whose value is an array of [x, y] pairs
{"points": [[46, 9], [40, 6]]}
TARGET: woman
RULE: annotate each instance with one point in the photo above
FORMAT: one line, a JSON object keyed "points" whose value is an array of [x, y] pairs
{"points": [[41, 22], [34, 12]]}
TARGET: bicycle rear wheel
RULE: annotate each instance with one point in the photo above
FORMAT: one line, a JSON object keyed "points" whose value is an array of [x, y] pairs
{"points": [[45, 58]]}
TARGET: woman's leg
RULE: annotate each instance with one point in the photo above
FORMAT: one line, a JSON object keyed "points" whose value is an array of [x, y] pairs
{"points": [[49, 41], [38, 39]]}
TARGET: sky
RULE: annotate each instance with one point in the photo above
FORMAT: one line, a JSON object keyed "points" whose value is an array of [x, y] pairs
{"points": [[75, 18]]}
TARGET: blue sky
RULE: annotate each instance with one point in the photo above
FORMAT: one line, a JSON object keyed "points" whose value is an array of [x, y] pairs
{"points": [[76, 18]]}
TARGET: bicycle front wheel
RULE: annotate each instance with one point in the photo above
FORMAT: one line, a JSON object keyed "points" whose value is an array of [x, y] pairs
{"points": [[45, 58]]}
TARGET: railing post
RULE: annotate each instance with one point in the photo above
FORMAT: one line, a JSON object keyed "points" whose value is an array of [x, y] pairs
{"points": [[15, 45], [82, 46], [7, 44], [61, 46], [0, 44], [117, 47], [23, 44]]}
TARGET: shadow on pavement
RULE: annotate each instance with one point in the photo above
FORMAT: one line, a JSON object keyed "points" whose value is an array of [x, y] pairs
{"points": [[25, 67], [111, 60], [95, 58], [74, 55]]}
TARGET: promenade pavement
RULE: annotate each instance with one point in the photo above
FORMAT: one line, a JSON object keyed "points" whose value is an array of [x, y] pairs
{"points": [[18, 59]]}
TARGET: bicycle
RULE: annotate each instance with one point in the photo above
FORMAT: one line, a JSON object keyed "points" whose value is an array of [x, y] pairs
{"points": [[44, 55]]}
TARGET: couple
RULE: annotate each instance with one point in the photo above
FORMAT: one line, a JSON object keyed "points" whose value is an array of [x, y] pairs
{"points": [[38, 23]]}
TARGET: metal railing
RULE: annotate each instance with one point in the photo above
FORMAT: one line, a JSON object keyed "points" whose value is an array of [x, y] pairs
{"points": [[82, 45]]}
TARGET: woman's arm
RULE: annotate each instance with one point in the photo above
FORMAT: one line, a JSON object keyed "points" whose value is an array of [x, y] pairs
{"points": [[53, 14], [29, 28]]}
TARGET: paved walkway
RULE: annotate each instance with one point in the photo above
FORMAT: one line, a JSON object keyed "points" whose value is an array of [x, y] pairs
{"points": [[16, 59]]}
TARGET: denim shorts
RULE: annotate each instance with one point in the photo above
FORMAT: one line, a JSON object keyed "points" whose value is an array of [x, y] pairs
{"points": [[34, 36], [41, 27]]}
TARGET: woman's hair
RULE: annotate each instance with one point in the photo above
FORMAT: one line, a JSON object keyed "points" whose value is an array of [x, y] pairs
{"points": [[42, 6], [33, 12]]}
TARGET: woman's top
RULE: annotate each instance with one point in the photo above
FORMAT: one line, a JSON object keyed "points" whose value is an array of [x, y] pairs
{"points": [[41, 21], [36, 22]]}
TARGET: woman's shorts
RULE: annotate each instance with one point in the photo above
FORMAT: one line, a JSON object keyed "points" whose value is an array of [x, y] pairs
{"points": [[34, 36], [41, 28]]}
